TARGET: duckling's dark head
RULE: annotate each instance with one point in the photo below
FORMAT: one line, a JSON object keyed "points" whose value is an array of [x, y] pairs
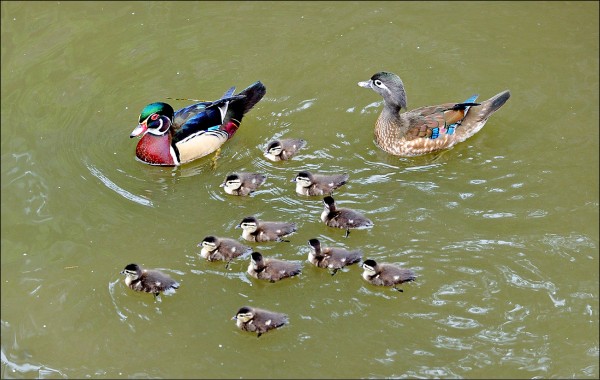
{"points": [[304, 178], [232, 177], [209, 240], [329, 201], [249, 220], [274, 147], [315, 243], [370, 263], [133, 269], [244, 310], [304, 174], [244, 314], [233, 181], [256, 257]]}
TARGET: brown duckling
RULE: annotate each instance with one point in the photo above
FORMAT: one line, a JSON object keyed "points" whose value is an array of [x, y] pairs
{"points": [[148, 280], [283, 149], [343, 217], [386, 274], [258, 230], [272, 269], [218, 248], [242, 183], [258, 320], [333, 258], [308, 183]]}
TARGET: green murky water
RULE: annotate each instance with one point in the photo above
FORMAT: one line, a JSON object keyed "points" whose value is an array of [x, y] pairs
{"points": [[502, 230]]}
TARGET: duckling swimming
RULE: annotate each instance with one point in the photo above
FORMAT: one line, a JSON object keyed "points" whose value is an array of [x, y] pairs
{"points": [[272, 269], [148, 280], [258, 231], [331, 257], [343, 217], [283, 149], [218, 248], [242, 183], [308, 183], [386, 274], [258, 320]]}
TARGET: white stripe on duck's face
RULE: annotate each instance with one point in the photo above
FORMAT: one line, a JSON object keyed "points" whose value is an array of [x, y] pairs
{"points": [[249, 227], [157, 125], [233, 184]]}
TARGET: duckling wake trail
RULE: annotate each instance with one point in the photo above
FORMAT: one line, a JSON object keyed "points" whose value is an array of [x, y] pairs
{"points": [[122, 192]]}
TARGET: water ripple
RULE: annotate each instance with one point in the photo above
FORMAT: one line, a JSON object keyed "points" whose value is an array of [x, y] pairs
{"points": [[113, 186], [459, 322], [513, 278], [442, 341], [28, 183]]}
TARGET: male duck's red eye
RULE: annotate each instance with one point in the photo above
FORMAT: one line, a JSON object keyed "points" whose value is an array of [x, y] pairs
{"points": [[154, 116]]}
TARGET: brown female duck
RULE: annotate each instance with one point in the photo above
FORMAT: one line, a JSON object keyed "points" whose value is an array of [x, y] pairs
{"points": [[426, 129]]}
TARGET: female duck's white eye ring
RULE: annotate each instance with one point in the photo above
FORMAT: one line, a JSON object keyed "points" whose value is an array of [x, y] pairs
{"points": [[378, 83]]}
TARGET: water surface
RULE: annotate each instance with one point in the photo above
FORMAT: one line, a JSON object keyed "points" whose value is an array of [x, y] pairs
{"points": [[502, 230]]}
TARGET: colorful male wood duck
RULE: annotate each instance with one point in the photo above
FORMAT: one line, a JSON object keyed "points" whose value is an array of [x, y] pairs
{"points": [[173, 138], [426, 129]]}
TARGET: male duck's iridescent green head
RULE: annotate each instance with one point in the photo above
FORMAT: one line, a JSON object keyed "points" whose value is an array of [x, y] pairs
{"points": [[160, 108], [389, 86], [155, 118]]}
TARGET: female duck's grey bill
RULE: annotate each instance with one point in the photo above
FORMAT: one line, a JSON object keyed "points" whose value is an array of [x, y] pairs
{"points": [[365, 84]]}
